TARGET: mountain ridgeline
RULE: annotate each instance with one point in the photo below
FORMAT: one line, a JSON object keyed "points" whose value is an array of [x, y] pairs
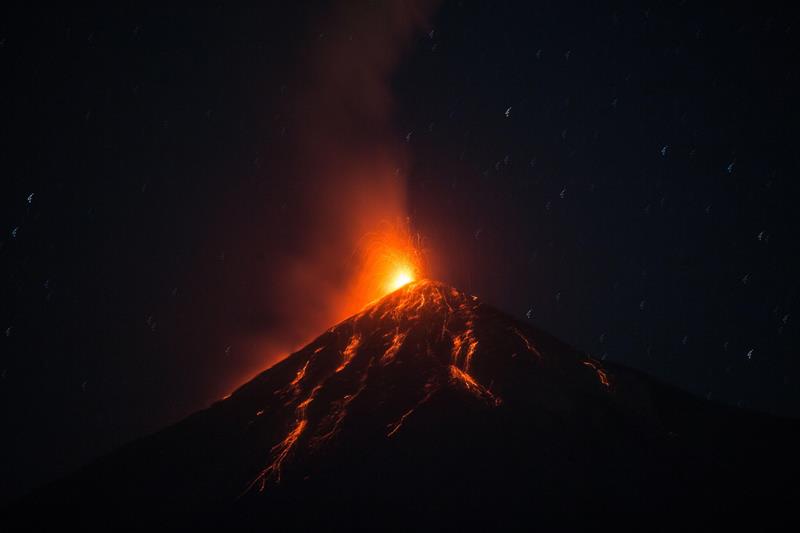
{"points": [[431, 408]]}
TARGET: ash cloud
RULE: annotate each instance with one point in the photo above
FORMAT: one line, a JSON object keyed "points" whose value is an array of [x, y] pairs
{"points": [[345, 165]]}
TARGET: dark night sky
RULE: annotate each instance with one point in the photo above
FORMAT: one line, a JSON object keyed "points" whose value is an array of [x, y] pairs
{"points": [[625, 173]]}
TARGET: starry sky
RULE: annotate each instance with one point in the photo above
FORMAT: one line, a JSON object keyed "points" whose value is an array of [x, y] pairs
{"points": [[623, 175]]}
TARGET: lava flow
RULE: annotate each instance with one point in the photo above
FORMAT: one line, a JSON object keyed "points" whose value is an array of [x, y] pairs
{"points": [[434, 403], [421, 342]]}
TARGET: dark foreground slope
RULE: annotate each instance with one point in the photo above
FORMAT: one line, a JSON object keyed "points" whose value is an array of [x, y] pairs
{"points": [[431, 408]]}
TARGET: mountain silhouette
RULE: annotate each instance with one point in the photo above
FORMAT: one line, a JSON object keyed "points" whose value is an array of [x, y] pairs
{"points": [[430, 408]]}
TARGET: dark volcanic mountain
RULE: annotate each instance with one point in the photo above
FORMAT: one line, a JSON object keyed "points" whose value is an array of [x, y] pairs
{"points": [[432, 408]]}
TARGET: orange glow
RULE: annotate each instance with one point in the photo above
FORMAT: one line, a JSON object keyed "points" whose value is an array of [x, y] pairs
{"points": [[283, 448], [473, 386], [601, 374], [341, 238], [371, 340], [389, 259], [402, 277], [397, 342], [300, 374], [349, 351], [357, 272]]}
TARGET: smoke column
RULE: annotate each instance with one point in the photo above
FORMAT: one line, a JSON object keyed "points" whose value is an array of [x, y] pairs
{"points": [[346, 163]]}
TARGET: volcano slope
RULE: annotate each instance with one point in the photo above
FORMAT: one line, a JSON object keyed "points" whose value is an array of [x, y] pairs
{"points": [[432, 408]]}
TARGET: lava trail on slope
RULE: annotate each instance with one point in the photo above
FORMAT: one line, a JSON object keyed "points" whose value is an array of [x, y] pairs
{"points": [[431, 407]]}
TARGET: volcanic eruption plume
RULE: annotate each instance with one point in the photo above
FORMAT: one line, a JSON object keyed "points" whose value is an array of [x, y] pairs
{"points": [[349, 238]]}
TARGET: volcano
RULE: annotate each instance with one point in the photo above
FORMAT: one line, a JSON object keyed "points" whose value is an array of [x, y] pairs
{"points": [[432, 408]]}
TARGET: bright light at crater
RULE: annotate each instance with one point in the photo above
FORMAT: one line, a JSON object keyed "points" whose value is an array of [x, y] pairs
{"points": [[400, 278], [388, 258]]}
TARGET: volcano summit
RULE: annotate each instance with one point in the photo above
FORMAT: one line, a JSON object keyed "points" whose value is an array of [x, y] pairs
{"points": [[432, 408]]}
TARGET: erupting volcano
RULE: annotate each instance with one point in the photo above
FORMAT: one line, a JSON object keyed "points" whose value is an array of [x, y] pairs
{"points": [[431, 407], [388, 260]]}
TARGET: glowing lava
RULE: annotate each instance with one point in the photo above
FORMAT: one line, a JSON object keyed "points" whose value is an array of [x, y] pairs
{"points": [[378, 370], [389, 259], [403, 276]]}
